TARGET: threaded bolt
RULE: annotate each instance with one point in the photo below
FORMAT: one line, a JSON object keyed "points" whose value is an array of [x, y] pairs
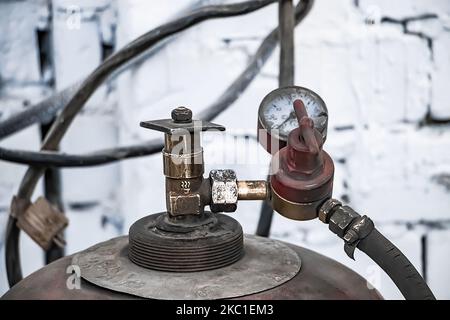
{"points": [[182, 115]]}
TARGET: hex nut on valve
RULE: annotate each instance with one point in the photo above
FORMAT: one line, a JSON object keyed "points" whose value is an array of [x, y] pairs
{"points": [[181, 115], [327, 209], [224, 190], [341, 219]]}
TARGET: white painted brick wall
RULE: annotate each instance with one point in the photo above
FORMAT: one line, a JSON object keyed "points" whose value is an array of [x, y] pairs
{"points": [[19, 86], [386, 91]]}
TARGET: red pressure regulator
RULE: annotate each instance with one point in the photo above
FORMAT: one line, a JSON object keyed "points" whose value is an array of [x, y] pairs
{"points": [[301, 172]]}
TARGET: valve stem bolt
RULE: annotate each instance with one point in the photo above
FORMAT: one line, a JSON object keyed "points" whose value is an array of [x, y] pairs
{"points": [[181, 115]]}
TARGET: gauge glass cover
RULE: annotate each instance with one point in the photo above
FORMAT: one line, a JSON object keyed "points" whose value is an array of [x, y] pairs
{"points": [[277, 116]]}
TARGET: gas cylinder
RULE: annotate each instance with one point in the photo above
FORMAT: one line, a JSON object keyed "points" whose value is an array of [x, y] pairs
{"points": [[188, 252]]}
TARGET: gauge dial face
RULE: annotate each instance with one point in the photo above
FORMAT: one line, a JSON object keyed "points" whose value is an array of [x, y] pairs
{"points": [[277, 116]]}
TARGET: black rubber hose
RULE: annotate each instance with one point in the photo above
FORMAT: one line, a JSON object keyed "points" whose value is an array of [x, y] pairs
{"points": [[228, 97], [396, 265], [100, 157], [359, 232], [45, 111], [12, 261], [53, 193]]}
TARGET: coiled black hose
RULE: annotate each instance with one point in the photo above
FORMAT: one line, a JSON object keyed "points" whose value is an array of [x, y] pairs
{"points": [[396, 265]]}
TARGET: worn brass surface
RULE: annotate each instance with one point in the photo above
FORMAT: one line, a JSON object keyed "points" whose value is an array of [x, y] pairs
{"points": [[253, 190], [180, 166], [187, 196], [182, 143], [294, 210]]}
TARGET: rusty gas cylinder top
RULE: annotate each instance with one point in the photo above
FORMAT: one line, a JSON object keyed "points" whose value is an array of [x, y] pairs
{"points": [[319, 278]]}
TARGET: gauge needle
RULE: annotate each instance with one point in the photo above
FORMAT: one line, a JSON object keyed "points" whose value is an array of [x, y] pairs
{"points": [[290, 116]]}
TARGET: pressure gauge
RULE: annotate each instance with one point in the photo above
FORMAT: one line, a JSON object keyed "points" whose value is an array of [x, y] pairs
{"points": [[276, 116]]}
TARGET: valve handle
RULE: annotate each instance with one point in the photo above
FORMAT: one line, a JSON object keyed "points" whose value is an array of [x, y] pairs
{"points": [[306, 125], [181, 123]]}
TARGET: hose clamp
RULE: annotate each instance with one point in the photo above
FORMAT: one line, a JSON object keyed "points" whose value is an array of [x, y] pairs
{"points": [[346, 223], [360, 228]]}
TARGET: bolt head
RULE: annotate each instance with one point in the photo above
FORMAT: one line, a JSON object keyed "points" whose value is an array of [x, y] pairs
{"points": [[182, 115]]}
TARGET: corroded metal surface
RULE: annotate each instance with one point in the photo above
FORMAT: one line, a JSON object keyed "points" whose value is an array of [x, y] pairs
{"points": [[224, 190], [43, 222], [319, 278], [266, 264]]}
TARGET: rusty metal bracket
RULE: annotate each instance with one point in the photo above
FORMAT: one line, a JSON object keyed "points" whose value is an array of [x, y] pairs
{"points": [[43, 222]]}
